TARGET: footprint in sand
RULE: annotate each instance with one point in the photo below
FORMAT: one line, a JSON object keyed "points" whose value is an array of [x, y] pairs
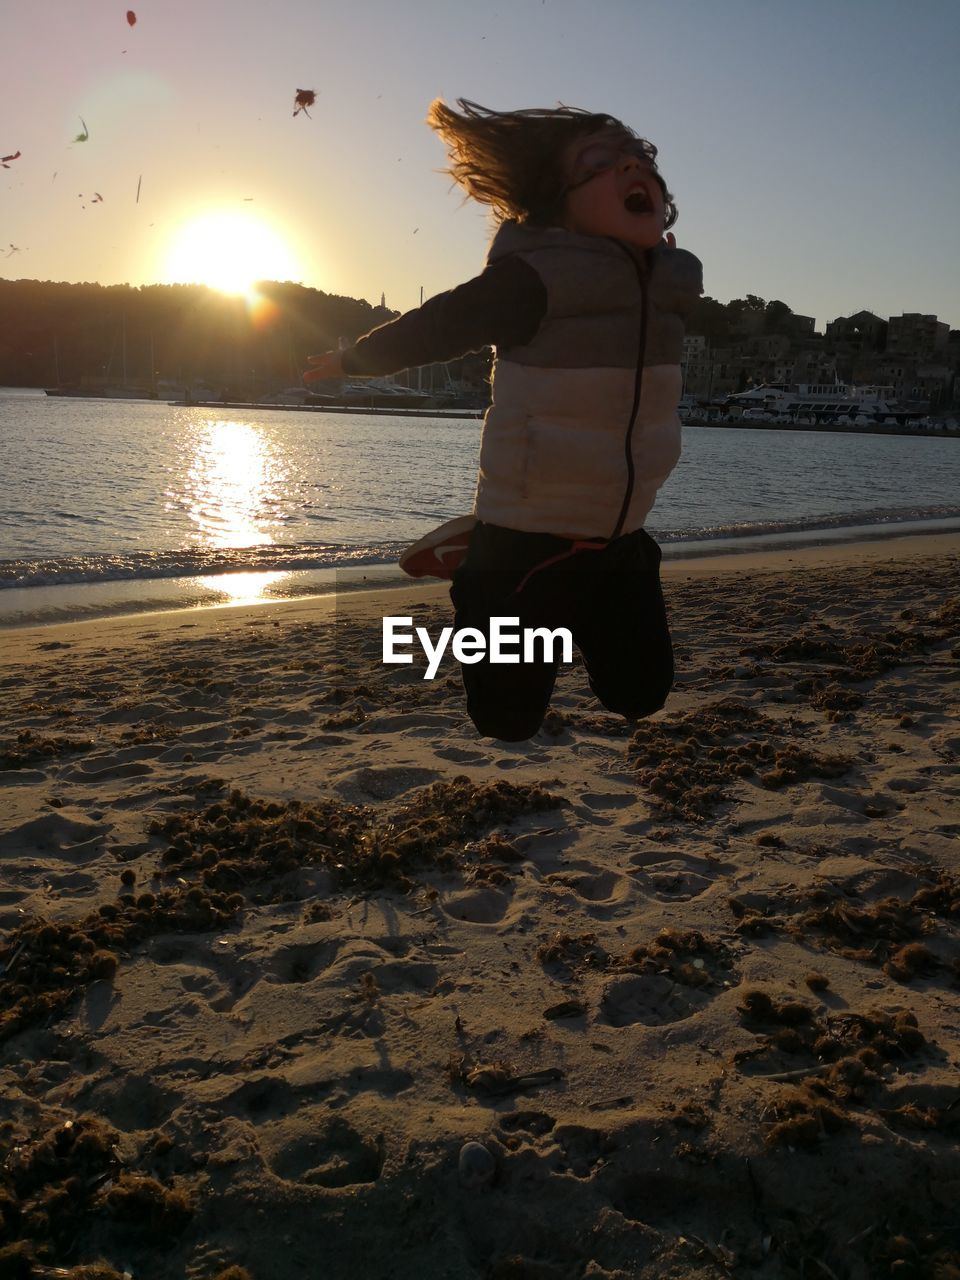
{"points": [[478, 906], [218, 997], [219, 980], [649, 998], [130, 1102], [657, 1195], [459, 756], [261, 1100], [673, 879], [21, 777], [372, 783], [301, 963], [96, 771], [326, 1151], [77, 883], [53, 833], [414, 722], [600, 888], [609, 799]]}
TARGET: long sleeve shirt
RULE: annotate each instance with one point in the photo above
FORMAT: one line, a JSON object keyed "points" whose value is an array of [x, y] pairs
{"points": [[502, 308]]}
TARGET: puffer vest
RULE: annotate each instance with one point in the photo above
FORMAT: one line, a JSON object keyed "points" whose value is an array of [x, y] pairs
{"points": [[583, 429]]}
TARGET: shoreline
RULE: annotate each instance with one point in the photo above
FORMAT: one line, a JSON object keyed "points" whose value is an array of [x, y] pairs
{"points": [[68, 602], [468, 413], [409, 593]]}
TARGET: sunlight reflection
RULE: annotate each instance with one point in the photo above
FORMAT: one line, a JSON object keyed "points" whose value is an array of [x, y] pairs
{"points": [[233, 486], [232, 478], [243, 588]]}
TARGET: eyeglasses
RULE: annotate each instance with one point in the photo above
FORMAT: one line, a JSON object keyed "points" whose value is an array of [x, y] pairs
{"points": [[598, 157]]}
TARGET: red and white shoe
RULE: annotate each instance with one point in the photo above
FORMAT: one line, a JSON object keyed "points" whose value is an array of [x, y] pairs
{"points": [[440, 552]]}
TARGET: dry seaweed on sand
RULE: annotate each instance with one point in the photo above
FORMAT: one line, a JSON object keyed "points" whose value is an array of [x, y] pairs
{"points": [[886, 932], [235, 848], [568, 953], [66, 1183], [690, 762], [45, 965], [30, 748], [852, 659], [240, 839], [687, 955], [849, 1057], [794, 764]]}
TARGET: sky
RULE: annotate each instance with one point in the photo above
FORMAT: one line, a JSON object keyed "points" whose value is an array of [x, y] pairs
{"points": [[811, 145]]}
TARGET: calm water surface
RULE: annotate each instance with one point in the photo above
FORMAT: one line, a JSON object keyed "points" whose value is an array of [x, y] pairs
{"points": [[111, 505]]}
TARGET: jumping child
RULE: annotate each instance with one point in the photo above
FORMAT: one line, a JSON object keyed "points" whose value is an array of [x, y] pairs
{"points": [[583, 298]]}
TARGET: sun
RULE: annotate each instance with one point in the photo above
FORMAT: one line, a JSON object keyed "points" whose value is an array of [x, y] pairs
{"points": [[228, 251]]}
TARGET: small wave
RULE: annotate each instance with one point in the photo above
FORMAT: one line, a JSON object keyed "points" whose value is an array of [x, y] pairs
{"points": [[759, 528], [191, 563], [284, 557]]}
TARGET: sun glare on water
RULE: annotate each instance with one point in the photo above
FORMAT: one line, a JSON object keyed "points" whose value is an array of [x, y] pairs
{"points": [[228, 251]]}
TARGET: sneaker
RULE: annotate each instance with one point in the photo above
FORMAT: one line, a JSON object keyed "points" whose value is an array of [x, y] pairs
{"points": [[440, 552]]}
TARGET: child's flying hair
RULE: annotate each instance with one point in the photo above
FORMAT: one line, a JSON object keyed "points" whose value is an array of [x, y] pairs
{"points": [[512, 160]]}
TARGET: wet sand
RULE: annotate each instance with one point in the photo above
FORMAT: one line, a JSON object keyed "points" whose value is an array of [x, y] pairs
{"points": [[282, 938]]}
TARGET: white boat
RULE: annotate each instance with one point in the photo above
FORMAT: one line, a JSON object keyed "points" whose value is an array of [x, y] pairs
{"points": [[817, 402], [297, 395], [377, 393]]}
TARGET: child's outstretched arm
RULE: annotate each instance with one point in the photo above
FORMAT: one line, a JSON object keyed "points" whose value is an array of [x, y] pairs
{"points": [[502, 307]]}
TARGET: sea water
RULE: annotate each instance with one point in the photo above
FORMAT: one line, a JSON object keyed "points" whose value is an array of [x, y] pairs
{"points": [[118, 506]]}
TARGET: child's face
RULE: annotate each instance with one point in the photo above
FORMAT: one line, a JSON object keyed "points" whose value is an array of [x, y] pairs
{"points": [[612, 191]]}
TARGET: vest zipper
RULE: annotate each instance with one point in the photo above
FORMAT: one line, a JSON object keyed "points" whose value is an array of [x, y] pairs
{"points": [[637, 388]]}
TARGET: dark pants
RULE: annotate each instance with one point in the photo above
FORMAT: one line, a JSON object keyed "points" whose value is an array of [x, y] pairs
{"points": [[610, 601]]}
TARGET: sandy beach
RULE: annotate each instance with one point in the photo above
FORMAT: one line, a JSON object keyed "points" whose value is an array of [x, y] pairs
{"points": [[300, 977]]}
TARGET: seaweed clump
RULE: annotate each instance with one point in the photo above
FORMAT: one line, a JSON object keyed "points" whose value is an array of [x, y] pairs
{"points": [[689, 762], [685, 954], [46, 965], [794, 764], [30, 748], [570, 953], [241, 840], [850, 1050], [54, 1187], [885, 932], [853, 660]]}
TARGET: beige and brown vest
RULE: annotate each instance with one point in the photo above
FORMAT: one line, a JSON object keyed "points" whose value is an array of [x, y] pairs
{"points": [[553, 455]]}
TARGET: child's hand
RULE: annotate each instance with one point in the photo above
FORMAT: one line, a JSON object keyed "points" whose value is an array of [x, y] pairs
{"points": [[670, 240], [329, 365]]}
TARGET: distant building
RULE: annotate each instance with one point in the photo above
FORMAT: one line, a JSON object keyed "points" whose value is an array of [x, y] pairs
{"points": [[915, 335], [862, 331]]}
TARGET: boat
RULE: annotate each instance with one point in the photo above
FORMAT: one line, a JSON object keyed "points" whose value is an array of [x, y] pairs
{"points": [[810, 403], [377, 393], [297, 396]]}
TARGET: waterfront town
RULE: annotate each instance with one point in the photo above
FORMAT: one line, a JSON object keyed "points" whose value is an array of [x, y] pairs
{"points": [[914, 358], [748, 360]]}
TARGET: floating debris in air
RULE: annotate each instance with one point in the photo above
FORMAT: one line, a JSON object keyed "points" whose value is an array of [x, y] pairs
{"points": [[305, 98]]}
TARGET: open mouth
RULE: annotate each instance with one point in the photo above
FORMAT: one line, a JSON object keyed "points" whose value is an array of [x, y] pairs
{"points": [[638, 202]]}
